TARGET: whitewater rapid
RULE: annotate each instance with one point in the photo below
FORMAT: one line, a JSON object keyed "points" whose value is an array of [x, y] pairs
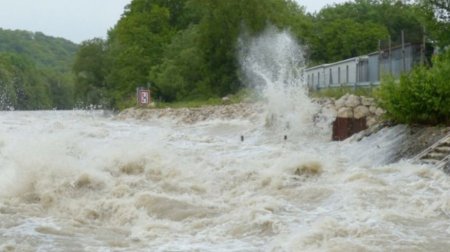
{"points": [[216, 179], [83, 181]]}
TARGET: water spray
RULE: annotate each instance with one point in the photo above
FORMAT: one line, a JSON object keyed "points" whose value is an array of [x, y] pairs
{"points": [[273, 65]]}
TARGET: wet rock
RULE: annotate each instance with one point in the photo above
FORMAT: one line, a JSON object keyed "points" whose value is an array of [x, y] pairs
{"points": [[309, 169], [133, 168], [379, 112], [341, 102], [345, 112], [366, 101], [353, 101], [371, 121], [360, 112]]}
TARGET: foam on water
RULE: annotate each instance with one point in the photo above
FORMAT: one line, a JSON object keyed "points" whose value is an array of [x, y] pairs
{"points": [[70, 181]]}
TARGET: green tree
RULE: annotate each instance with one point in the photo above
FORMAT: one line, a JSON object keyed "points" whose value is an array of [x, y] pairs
{"points": [[186, 49], [35, 71], [436, 18], [345, 38], [136, 44], [358, 26], [61, 89], [182, 68], [201, 61], [24, 85], [90, 70], [442, 8]]}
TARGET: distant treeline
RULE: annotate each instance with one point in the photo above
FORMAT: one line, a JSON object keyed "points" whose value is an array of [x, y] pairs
{"points": [[35, 71], [187, 49]]}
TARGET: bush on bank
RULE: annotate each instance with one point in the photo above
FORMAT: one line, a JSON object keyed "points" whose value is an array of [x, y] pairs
{"points": [[422, 96]]}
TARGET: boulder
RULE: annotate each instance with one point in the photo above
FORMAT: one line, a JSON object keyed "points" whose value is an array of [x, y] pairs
{"points": [[340, 102], [366, 101], [226, 100], [353, 101], [379, 112], [345, 112], [371, 121], [360, 112]]}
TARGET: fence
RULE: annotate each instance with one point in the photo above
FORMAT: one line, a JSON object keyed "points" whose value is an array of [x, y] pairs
{"points": [[365, 70]]}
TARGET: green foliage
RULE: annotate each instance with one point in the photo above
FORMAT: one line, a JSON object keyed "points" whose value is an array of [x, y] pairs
{"points": [[423, 96], [183, 49], [338, 92], [187, 49], [89, 70], [44, 51], [193, 103], [178, 75], [435, 16], [354, 28], [35, 71], [345, 38], [23, 86], [136, 44], [242, 95]]}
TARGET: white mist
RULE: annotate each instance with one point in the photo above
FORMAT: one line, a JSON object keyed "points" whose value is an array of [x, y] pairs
{"points": [[273, 64]]}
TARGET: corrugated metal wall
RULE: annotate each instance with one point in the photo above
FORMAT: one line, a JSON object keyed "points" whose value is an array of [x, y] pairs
{"points": [[364, 70]]}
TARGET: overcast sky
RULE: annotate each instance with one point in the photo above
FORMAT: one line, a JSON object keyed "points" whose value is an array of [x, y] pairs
{"points": [[78, 20]]}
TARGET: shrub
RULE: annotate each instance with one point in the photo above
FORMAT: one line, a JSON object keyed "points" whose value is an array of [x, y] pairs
{"points": [[422, 96]]}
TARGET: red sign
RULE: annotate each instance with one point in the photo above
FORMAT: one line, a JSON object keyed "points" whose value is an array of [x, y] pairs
{"points": [[144, 97]]}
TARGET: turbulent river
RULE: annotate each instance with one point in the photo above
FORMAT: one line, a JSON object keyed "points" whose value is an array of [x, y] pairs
{"points": [[226, 181], [80, 181]]}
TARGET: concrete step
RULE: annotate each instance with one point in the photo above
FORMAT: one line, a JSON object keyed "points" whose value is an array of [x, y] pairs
{"points": [[442, 149], [445, 143], [429, 161], [437, 155]]}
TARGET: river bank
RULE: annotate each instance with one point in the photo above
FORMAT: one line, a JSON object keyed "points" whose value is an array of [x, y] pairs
{"points": [[415, 138]]}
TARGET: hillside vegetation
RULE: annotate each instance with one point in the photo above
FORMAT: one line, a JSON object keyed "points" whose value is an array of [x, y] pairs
{"points": [[187, 49], [35, 71]]}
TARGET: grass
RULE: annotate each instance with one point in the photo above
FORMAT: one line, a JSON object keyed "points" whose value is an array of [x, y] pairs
{"points": [[190, 103], [252, 96], [240, 96], [338, 92]]}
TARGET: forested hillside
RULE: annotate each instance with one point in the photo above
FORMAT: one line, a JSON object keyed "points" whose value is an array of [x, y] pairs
{"points": [[35, 71]]}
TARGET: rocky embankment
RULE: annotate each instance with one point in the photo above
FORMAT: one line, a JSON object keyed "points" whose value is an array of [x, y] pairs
{"points": [[193, 115], [417, 138], [348, 106], [352, 106]]}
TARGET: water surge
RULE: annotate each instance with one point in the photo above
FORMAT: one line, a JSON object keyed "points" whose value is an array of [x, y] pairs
{"points": [[169, 181]]}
